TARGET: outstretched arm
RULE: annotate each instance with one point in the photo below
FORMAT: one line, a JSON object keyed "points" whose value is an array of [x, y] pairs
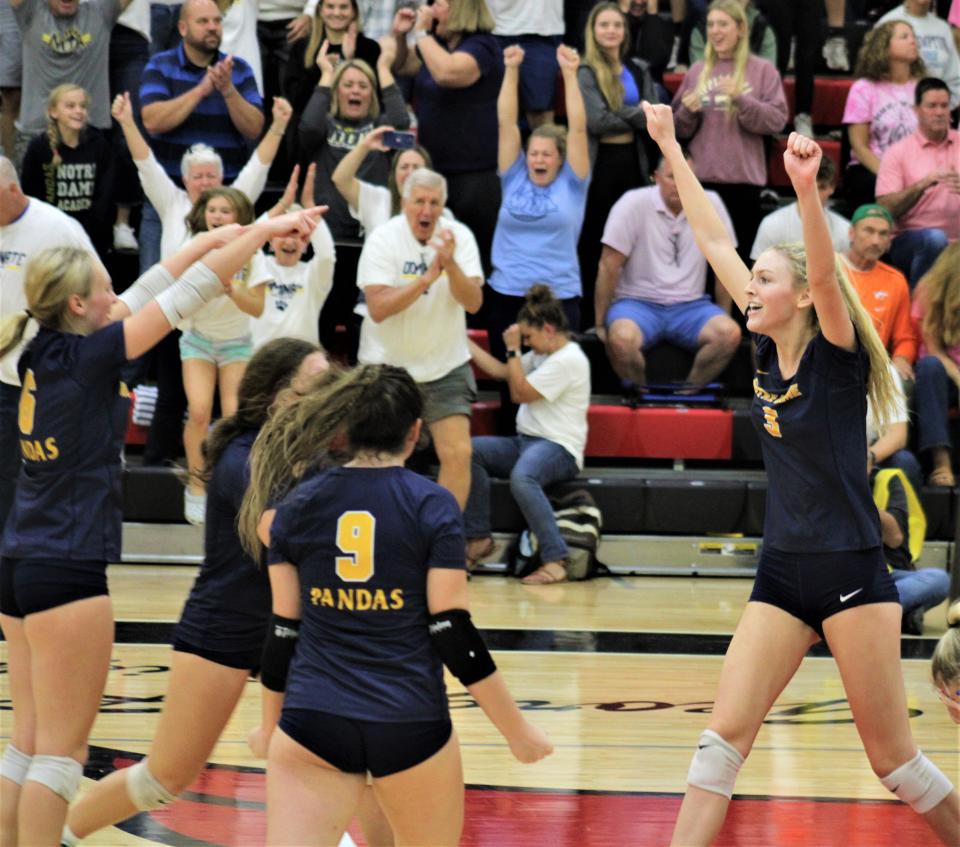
{"points": [[578, 150], [801, 160], [122, 111], [508, 109], [345, 174], [708, 228]]}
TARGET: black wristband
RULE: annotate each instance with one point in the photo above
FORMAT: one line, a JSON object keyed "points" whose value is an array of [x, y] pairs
{"points": [[278, 652], [513, 354]]}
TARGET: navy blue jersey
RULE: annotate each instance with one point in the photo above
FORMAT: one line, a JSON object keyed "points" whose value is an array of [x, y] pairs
{"points": [[73, 421], [812, 430], [363, 540], [228, 608]]}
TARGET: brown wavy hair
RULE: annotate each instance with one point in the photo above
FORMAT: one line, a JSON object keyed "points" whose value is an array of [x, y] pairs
{"points": [[873, 60], [939, 290]]}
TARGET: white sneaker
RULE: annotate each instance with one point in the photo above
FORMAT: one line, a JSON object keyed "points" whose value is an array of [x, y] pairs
{"points": [[835, 53], [124, 240], [803, 124], [194, 507]]}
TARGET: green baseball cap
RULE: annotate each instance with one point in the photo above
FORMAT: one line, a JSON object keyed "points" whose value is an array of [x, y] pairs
{"points": [[872, 210]]}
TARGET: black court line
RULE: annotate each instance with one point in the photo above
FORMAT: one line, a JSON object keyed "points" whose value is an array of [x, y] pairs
{"points": [[563, 640]]}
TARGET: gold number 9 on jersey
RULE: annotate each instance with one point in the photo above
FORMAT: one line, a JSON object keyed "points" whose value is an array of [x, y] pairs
{"points": [[355, 537], [28, 404]]}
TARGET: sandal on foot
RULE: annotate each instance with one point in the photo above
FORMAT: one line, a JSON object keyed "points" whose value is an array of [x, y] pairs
{"points": [[942, 478], [551, 573]]}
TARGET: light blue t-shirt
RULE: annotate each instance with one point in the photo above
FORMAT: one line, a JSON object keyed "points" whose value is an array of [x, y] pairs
{"points": [[537, 233]]}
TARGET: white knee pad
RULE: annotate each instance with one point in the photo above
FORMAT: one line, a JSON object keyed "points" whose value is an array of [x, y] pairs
{"points": [[14, 765], [715, 765], [919, 783], [60, 774], [145, 790]]}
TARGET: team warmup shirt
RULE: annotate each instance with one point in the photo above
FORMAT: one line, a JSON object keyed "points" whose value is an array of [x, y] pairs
{"points": [[363, 540], [228, 608], [73, 421], [812, 430]]}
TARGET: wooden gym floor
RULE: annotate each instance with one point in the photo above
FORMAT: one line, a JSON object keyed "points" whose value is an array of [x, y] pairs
{"points": [[619, 671]]}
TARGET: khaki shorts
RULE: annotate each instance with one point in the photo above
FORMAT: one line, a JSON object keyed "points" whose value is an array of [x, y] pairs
{"points": [[450, 395]]}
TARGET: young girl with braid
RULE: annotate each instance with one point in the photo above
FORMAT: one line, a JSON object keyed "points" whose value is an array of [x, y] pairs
{"points": [[821, 573], [370, 593]]}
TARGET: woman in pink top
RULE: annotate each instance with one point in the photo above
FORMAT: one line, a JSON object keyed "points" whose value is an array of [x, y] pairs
{"points": [[879, 110], [726, 106], [936, 316]]}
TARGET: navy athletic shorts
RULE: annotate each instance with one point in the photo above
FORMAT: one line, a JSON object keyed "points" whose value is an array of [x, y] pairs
{"points": [[815, 586], [28, 586], [377, 747]]}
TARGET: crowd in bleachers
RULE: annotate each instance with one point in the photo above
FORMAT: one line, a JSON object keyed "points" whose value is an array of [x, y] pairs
{"points": [[344, 99]]}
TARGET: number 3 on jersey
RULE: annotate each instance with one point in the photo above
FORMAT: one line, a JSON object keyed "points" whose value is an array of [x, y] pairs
{"points": [[355, 536]]}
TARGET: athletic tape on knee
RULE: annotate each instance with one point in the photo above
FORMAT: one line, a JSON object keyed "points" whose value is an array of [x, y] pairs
{"points": [[145, 790], [148, 287], [14, 765], [460, 646], [60, 774], [919, 783], [715, 765], [194, 289]]}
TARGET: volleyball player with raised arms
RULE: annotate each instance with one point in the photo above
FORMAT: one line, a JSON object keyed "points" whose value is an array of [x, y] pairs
{"points": [[369, 596], [66, 519], [821, 573]]}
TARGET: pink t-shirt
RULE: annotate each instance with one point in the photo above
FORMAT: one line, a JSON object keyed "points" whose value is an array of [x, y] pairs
{"points": [[910, 160], [917, 311], [664, 264], [886, 106]]}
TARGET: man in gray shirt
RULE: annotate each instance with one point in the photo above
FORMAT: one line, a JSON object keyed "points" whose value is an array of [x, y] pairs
{"points": [[64, 41]]}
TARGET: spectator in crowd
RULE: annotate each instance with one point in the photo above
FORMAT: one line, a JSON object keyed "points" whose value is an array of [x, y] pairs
{"points": [[373, 205], [919, 182], [216, 343], [934, 40], [538, 29], [193, 94], [551, 382], [887, 445], [457, 70], [613, 87], [71, 165], [420, 278], [64, 41], [784, 225], [336, 32], [239, 21], [879, 109], [164, 25], [344, 108], [378, 15], [27, 225], [295, 290], [201, 167], [936, 316], [882, 289], [651, 285], [11, 76], [903, 525], [726, 106], [544, 192], [763, 39], [650, 37]]}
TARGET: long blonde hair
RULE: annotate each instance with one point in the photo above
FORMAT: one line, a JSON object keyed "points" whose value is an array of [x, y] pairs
{"points": [[53, 129], [939, 290], [605, 69], [469, 16], [945, 667], [881, 388], [53, 276], [735, 10], [319, 32], [371, 407]]}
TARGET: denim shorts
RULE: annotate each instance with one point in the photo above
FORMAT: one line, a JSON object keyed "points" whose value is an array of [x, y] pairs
{"points": [[677, 323], [193, 345]]}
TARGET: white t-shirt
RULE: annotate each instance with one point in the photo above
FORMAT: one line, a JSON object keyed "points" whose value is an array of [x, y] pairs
{"points": [[429, 337], [221, 319], [295, 295], [137, 17], [173, 204], [784, 226], [563, 379], [39, 227], [900, 413], [240, 36], [521, 17]]}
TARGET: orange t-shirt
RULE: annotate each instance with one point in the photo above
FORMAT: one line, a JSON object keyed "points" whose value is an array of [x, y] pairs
{"points": [[886, 296]]}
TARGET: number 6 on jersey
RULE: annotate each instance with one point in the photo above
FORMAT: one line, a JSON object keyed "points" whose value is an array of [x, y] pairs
{"points": [[355, 534]]}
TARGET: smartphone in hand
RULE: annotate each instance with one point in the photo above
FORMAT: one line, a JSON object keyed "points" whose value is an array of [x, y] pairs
{"points": [[399, 140]]}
